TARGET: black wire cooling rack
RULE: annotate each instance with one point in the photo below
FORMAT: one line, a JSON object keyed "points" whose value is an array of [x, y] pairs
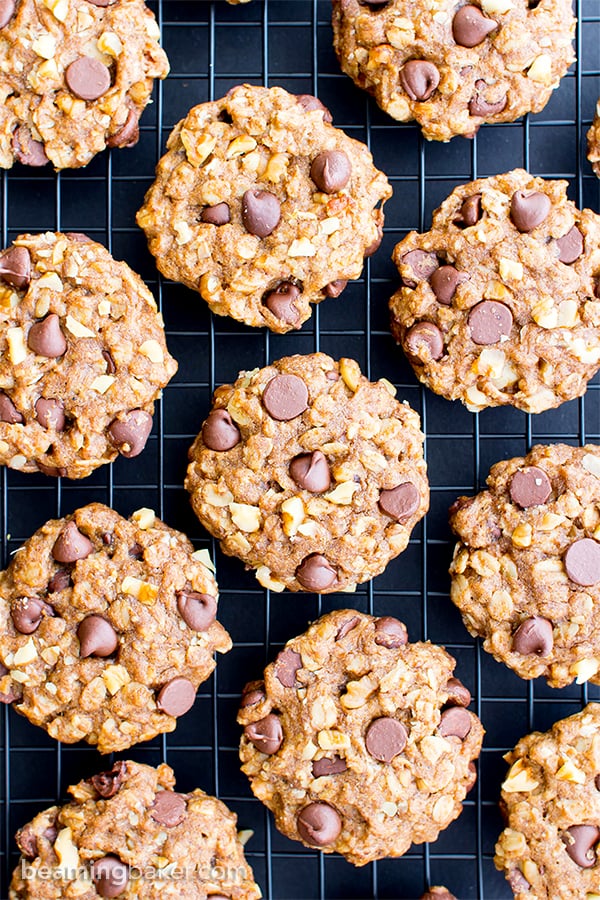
{"points": [[213, 46]]}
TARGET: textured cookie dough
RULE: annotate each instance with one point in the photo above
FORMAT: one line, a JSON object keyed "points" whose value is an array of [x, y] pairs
{"points": [[358, 741], [264, 207], [551, 801], [82, 356], [438, 893], [593, 142], [308, 472], [127, 833], [452, 66], [500, 302], [107, 627], [75, 76], [526, 570]]}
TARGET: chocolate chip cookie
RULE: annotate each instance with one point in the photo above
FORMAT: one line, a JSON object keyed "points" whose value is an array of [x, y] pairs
{"points": [[82, 356], [75, 76], [264, 207], [308, 472], [551, 801], [438, 893], [358, 741], [108, 627], [127, 833], [452, 65], [526, 570], [593, 142], [500, 300]]}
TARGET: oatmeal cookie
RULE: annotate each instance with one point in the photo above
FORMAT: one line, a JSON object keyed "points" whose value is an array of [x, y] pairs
{"points": [[127, 833], [593, 142], [526, 570], [108, 627], [82, 356], [264, 207], [551, 800], [357, 741], [75, 76], [500, 302], [453, 65], [308, 472]]}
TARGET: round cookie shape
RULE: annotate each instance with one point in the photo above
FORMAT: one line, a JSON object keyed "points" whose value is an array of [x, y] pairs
{"points": [[263, 207], [593, 142], [526, 568], [309, 473], [361, 765], [499, 303], [108, 627], [77, 76], [450, 66], [117, 830], [551, 800], [82, 356]]}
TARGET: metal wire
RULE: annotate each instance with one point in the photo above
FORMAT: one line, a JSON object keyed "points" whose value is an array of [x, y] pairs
{"points": [[213, 46]]}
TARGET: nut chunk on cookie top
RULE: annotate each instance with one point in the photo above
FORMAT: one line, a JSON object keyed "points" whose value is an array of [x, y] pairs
{"points": [[127, 833], [311, 474], [108, 627], [75, 76], [551, 803], [358, 741], [264, 207], [82, 356], [526, 570], [500, 300]]}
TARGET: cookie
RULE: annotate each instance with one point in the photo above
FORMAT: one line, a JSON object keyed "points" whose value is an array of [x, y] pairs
{"points": [[308, 472], [358, 741], [75, 76], [593, 142], [82, 356], [500, 302], [264, 207], [551, 801], [438, 893], [127, 833], [453, 66], [108, 627], [526, 570]]}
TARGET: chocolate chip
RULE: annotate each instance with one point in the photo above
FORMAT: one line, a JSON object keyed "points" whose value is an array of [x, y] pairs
{"points": [[110, 363], [59, 581], [130, 433], [319, 824], [331, 171], [489, 322], [455, 722], [176, 697], [129, 133], [136, 551], [286, 665], [422, 263], [169, 808], [71, 545], [108, 783], [470, 212], [444, 282], [50, 413], [425, 341], [102, 3], [530, 487], [597, 782], [419, 79], [528, 209], [7, 11], [285, 397], [55, 471], [385, 738], [87, 78], [9, 412], [458, 694], [311, 472], [97, 637], [471, 777], [266, 734], [346, 627], [253, 693], [570, 246], [400, 502], [335, 288], [479, 106], [110, 876], [10, 695], [315, 573], [470, 27], [220, 432], [533, 636], [261, 212], [15, 267], [326, 766], [376, 5], [216, 215], [517, 881], [28, 612], [198, 611], [390, 633], [582, 562], [280, 301], [580, 841], [27, 842], [28, 151], [45, 338], [310, 103], [438, 893]]}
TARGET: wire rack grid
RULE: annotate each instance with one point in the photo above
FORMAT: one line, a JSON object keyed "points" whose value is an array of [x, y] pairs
{"points": [[213, 46]]}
